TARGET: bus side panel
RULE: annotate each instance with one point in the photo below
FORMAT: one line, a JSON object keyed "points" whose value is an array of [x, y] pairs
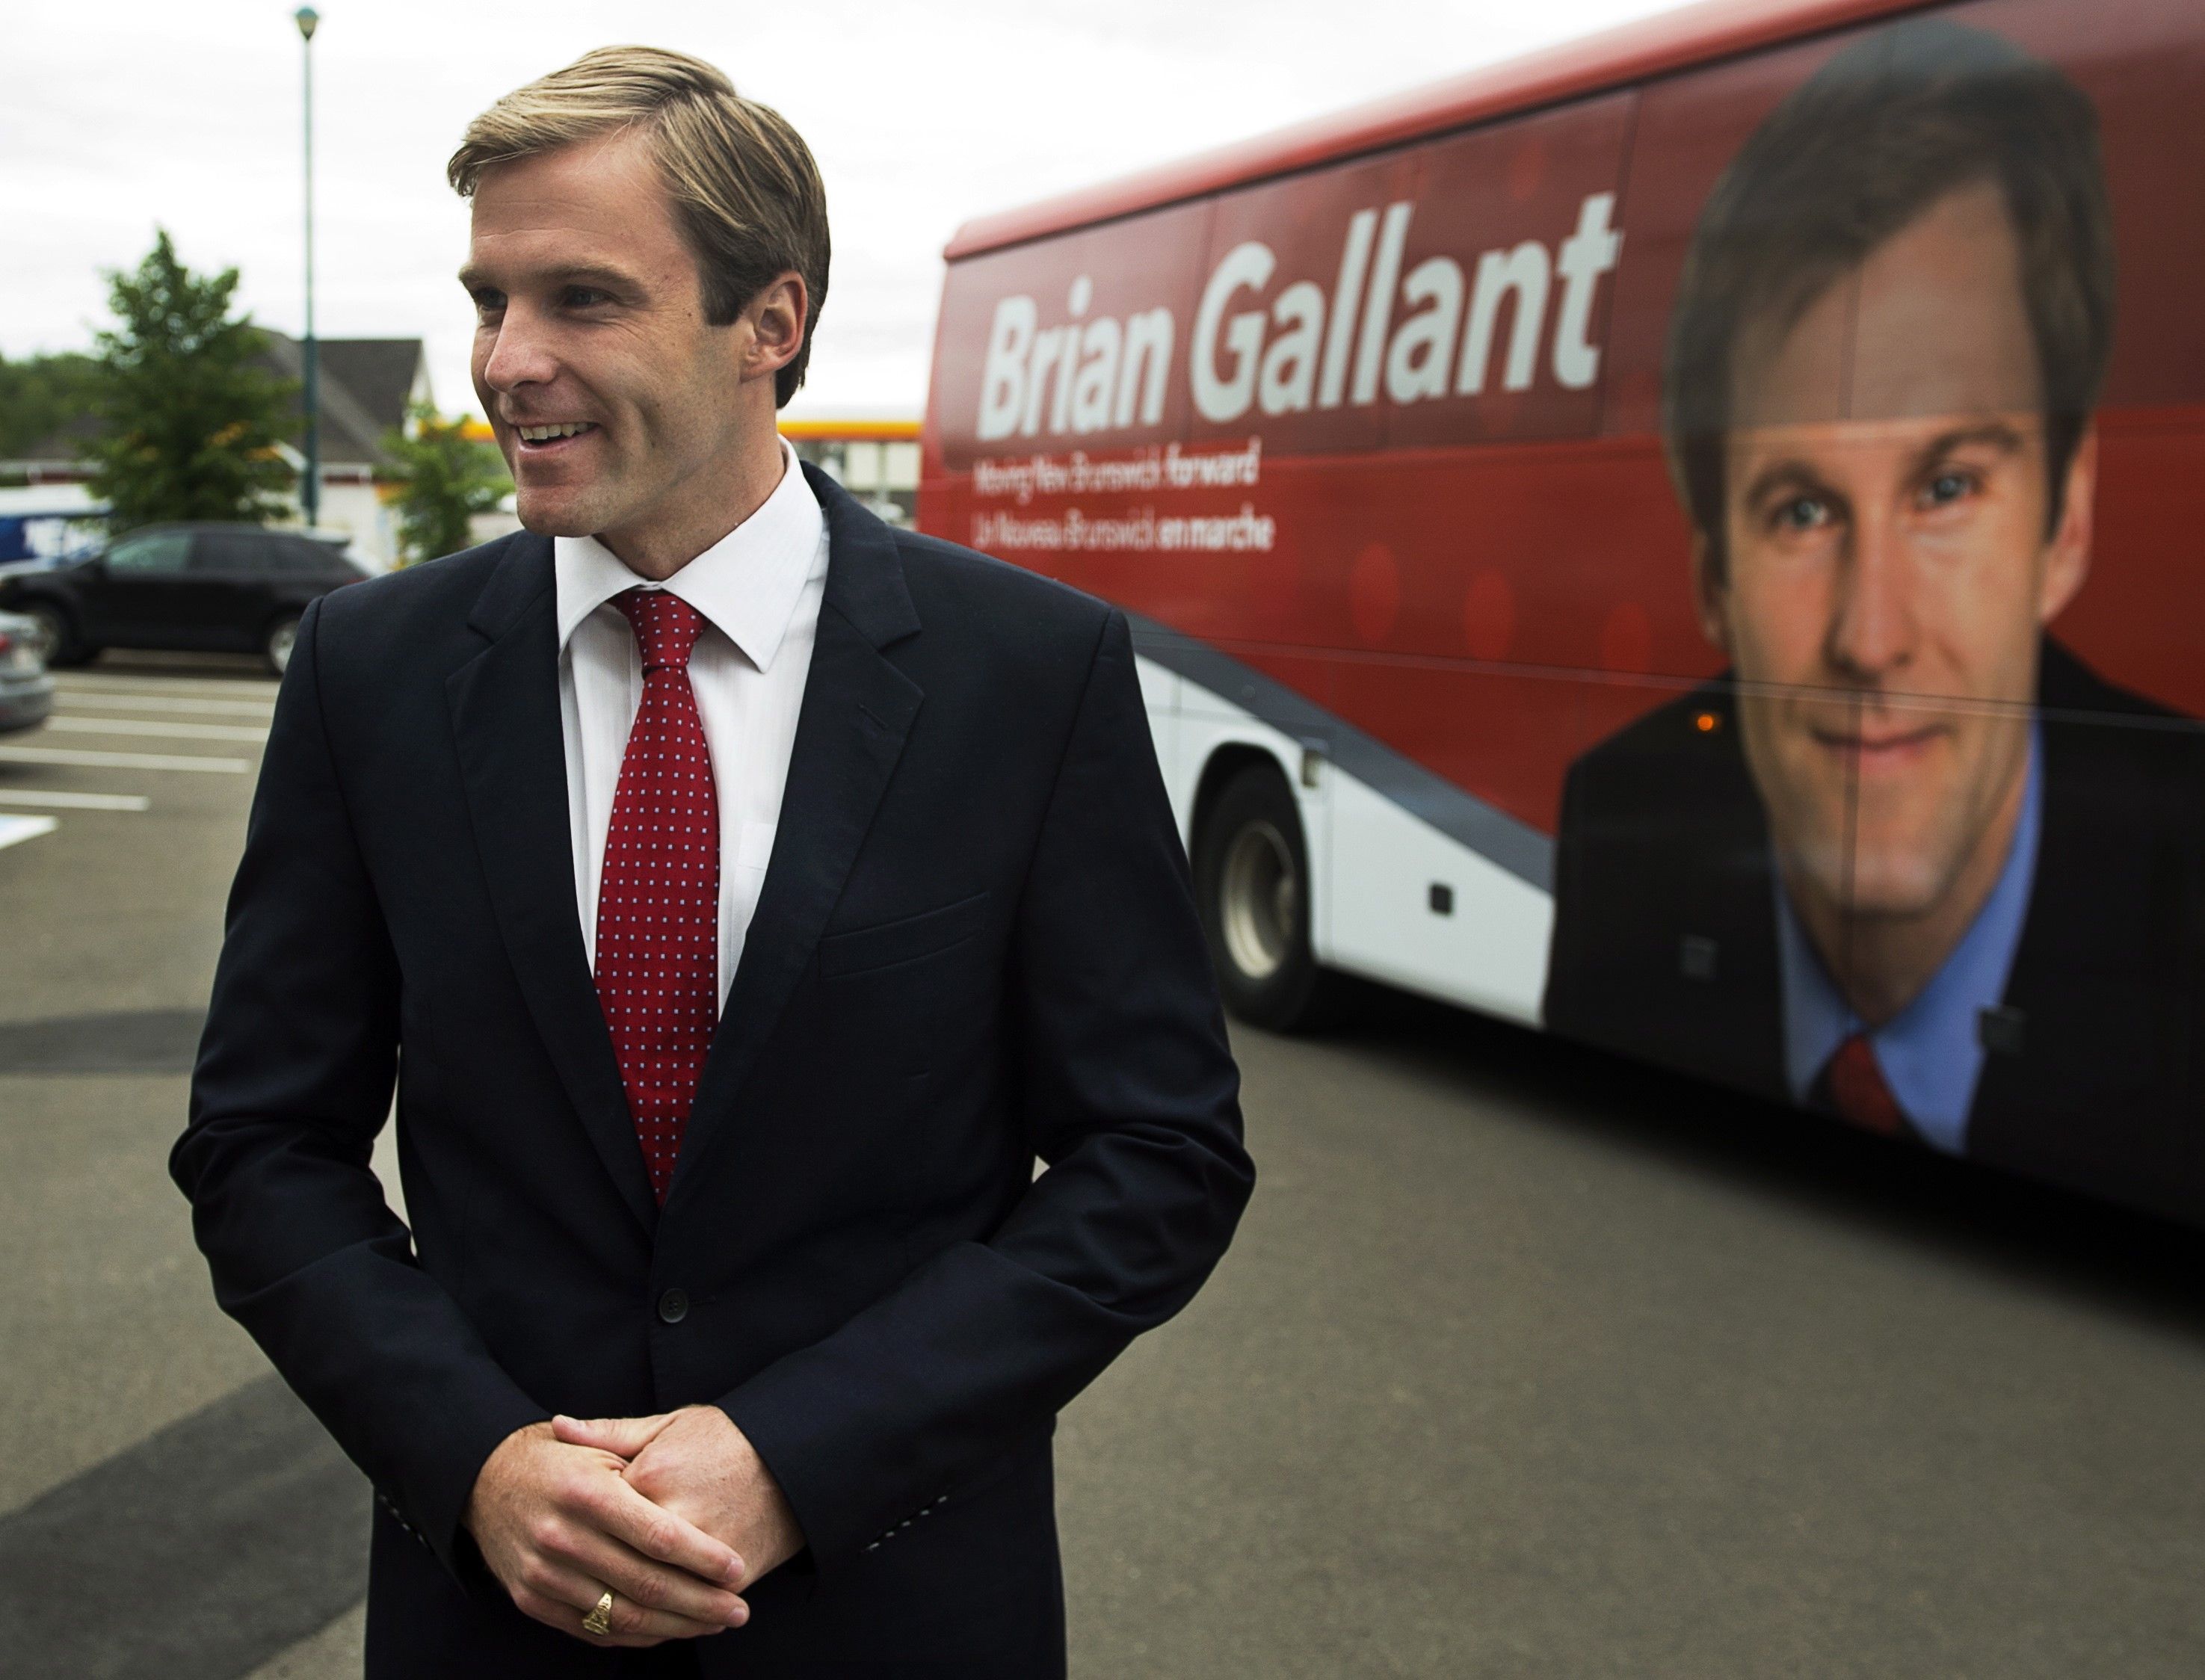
{"points": [[1765, 655], [1413, 906]]}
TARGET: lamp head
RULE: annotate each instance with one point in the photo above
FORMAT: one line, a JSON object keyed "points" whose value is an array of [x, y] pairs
{"points": [[306, 17]]}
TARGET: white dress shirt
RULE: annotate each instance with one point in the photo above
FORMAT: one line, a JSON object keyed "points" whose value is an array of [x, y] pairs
{"points": [[759, 589]]}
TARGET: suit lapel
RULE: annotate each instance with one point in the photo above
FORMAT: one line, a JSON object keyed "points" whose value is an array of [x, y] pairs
{"points": [[505, 719], [858, 709]]}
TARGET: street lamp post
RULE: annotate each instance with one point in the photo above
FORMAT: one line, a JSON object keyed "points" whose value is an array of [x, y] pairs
{"points": [[310, 496]]}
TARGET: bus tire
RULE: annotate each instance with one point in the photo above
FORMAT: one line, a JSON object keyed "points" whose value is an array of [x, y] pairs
{"points": [[1252, 887]]}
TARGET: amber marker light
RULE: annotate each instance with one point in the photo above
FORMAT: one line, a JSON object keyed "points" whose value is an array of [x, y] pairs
{"points": [[1707, 723]]}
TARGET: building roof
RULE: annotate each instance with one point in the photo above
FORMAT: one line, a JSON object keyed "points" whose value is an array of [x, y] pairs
{"points": [[875, 428], [381, 372], [365, 385], [1654, 46]]}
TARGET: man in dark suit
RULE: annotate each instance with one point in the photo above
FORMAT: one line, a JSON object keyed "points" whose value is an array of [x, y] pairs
{"points": [[1908, 860], [741, 896]]}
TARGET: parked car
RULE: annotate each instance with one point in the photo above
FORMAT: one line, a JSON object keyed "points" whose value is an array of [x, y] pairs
{"points": [[224, 588], [27, 692]]}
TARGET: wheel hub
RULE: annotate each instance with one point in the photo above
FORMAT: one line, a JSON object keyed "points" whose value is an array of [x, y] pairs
{"points": [[1260, 900]]}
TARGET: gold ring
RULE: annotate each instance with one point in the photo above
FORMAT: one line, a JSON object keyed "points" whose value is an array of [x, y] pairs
{"points": [[599, 1620]]}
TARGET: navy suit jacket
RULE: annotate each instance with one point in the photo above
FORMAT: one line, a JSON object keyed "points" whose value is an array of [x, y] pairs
{"points": [[976, 945]]}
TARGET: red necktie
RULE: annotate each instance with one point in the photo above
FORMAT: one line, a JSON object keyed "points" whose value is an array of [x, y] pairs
{"points": [[1858, 1092], [658, 897]]}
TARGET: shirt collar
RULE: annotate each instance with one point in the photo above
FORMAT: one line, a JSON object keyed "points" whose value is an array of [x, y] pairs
{"points": [[1931, 1052], [746, 585]]}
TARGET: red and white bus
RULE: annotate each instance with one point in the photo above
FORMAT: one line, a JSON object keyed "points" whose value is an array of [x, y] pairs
{"points": [[1695, 540]]}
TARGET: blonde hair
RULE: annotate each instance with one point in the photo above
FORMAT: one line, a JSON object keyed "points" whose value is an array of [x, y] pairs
{"points": [[746, 193]]}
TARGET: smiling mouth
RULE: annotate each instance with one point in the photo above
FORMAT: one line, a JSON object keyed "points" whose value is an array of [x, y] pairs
{"points": [[1896, 747], [534, 438]]}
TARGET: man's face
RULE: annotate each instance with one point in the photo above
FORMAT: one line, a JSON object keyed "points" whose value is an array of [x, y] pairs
{"points": [[590, 314], [1887, 488]]}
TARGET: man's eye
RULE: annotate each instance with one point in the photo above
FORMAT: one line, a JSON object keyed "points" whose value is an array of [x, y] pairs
{"points": [[585, 297], [488, 304], [1802, 513]]}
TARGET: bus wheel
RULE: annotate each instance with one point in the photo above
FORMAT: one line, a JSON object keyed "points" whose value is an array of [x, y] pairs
{"points": [[1252, 873]]}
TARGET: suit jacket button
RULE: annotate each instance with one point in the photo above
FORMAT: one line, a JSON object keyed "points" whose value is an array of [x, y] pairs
{"points": [[673, 1307]]}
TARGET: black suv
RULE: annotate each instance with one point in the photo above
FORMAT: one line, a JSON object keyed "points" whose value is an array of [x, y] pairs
{"points": [[227, 588]]}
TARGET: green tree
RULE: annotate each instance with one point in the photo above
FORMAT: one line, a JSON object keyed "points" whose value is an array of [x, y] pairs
{"points": [[190, 419], [449, 478], [40, 395]]}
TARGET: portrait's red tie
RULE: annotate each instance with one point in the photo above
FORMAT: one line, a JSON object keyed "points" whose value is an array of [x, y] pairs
{"points": [[1859, 1092], [658, 895]]}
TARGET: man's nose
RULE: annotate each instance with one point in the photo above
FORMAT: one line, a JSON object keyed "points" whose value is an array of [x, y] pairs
{"points": [[520, 354], [1873, 629]]}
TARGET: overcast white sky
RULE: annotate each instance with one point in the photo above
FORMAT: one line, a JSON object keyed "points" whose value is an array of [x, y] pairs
{"points": [[127, 114]]}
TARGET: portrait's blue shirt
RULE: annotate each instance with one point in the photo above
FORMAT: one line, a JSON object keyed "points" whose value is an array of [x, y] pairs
{"points": [[1930, 1052]]}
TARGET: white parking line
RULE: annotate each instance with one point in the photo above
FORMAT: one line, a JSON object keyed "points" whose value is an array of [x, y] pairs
{"points": [[47, 795], [121, 760], [140, 725], [92, 700], [121, 682], [15, 829]]}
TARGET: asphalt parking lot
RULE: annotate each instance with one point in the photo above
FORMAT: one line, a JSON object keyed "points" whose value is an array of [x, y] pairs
{"points": [[1526, 1364]]}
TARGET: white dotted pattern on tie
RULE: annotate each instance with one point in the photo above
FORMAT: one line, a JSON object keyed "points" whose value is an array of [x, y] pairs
{"points": [[658, 897]]}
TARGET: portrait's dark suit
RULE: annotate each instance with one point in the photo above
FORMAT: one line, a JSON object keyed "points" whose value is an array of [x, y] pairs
{"points": [[975, 946], [1665, 932]]}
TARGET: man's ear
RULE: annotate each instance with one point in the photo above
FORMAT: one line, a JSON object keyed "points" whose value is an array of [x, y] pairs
{"points": [[2067, 554], [777, 317], [1710, 593]]}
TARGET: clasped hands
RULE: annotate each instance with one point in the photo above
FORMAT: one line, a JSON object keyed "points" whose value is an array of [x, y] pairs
{"points": [[675, 1515]]}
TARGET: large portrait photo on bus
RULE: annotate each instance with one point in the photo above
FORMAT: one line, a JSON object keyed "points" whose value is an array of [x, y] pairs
{"points": [[1908, 858]]}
